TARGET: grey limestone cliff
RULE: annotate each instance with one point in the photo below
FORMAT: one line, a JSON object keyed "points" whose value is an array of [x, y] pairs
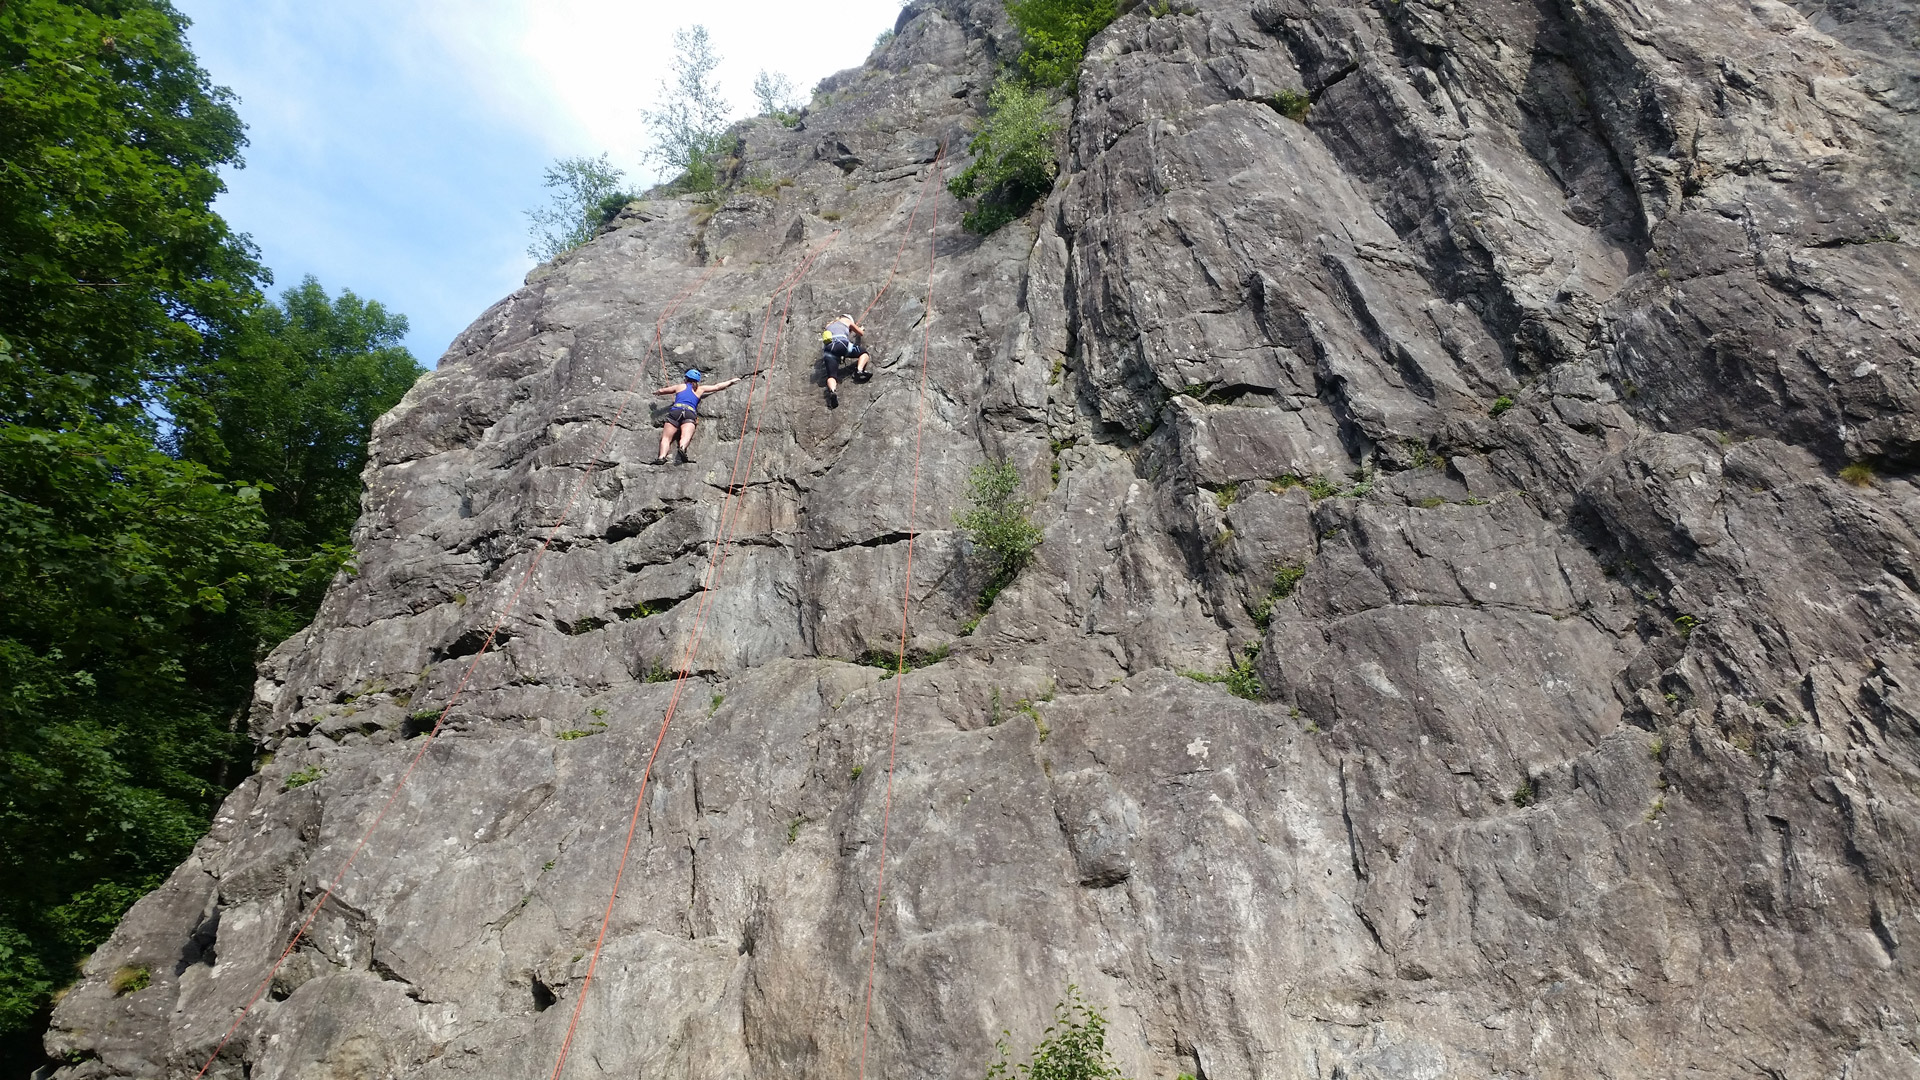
{"points": [[1589, 740]]}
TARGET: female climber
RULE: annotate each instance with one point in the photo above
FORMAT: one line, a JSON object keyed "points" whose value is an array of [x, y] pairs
{"points": [[684, 412]]}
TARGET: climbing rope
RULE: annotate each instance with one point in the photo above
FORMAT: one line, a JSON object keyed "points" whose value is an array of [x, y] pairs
{"points": [[427, 743], [684, 669], [900, 663]]}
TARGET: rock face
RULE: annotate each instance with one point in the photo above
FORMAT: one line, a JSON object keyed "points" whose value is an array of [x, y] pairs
{"points": [[1500, 403]]}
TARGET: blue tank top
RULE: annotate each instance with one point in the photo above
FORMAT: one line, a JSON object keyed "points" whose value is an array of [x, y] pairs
{"points": [[687, 397]]}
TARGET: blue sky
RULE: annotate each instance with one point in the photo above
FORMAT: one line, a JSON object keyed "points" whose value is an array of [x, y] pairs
{"points": [[395, 144]]}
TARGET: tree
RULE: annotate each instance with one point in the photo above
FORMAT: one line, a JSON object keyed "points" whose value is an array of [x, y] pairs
{"points": [[1054, 36], [115, 273], [586, 192], [178, 471], [774, 95], [289, 408], [1013, 161], [689, 128]]}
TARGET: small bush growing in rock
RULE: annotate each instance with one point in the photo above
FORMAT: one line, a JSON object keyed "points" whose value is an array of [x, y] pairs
{"points": [[1074, 1047], [304, 777], [1239, 679], [1013, 158], [1859, 474], [998, 525], [1500, 404], [1291, 104], [130, 980]]}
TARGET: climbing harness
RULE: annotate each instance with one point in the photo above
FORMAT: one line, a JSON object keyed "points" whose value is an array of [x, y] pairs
{"points": [[540, 554]]}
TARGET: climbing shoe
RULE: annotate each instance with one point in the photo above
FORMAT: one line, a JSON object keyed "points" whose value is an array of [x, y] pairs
{"points": [[686, 458], [833, 400], [863, 376]]}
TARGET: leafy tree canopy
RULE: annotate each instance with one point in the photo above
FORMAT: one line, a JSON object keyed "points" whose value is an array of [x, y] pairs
{"points": [[114, 269], [1054, 36], [586, 192], [690, 126], [179, 464]]}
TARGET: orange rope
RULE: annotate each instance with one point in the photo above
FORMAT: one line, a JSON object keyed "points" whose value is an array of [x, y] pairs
{"points": [[684, 669], [427, 743], [900, 666]]}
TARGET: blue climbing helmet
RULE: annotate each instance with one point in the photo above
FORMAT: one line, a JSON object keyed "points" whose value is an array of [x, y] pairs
{"points": [[693, 375]]}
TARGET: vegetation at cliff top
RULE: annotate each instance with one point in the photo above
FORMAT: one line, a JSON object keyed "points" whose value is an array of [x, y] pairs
{"points": [[179, 465], [586, 192], [1054, 36], [690, 125]]}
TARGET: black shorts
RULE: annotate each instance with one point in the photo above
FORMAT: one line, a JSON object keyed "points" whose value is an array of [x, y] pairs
{"points": [[680, 414], [832, 359]]}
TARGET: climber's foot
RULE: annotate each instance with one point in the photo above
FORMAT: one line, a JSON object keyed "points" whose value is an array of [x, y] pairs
{"points": [[833, 400]]}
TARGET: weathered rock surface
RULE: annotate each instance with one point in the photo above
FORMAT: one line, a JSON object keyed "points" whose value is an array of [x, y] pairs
{"points": [[1591, 738]]}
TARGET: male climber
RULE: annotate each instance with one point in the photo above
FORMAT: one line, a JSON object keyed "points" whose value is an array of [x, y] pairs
{"points": [[841, 340], [684, 412]]}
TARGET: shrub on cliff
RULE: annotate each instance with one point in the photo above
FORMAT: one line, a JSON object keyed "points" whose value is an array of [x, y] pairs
{"points": [[1054, 35], [1013, 158], [1074, 1047], [998, 525]]}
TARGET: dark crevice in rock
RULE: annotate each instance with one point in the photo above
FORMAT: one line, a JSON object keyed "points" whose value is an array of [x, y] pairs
{"points": [[543, 995]]}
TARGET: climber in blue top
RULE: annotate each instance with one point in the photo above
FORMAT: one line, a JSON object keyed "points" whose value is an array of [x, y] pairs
{"points": [[684, 412]]}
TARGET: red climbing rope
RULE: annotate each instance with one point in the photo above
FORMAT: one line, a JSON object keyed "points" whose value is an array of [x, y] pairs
{"points": [[539, 555], [900, 665], [684, 669]]}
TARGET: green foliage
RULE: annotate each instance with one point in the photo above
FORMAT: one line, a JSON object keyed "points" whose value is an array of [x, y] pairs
{"points": [[1285, 580], [997, 523], [1013, 162], [1226, 496], [179, 466], [1320, 487], [1500, 404], [304, 777], [1239, 679], [585, 193], [130, 980], [1054, 36], [1524, 795], [594, 728], [893, 663], [115, 273], [290, 405], [689, 128], [1858, 473], [773, 94], [1291, 104], [1073, 1047], [1686, 624]]}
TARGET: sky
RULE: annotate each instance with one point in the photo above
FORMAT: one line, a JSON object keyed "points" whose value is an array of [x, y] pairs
{"points": [[395, 145]]}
